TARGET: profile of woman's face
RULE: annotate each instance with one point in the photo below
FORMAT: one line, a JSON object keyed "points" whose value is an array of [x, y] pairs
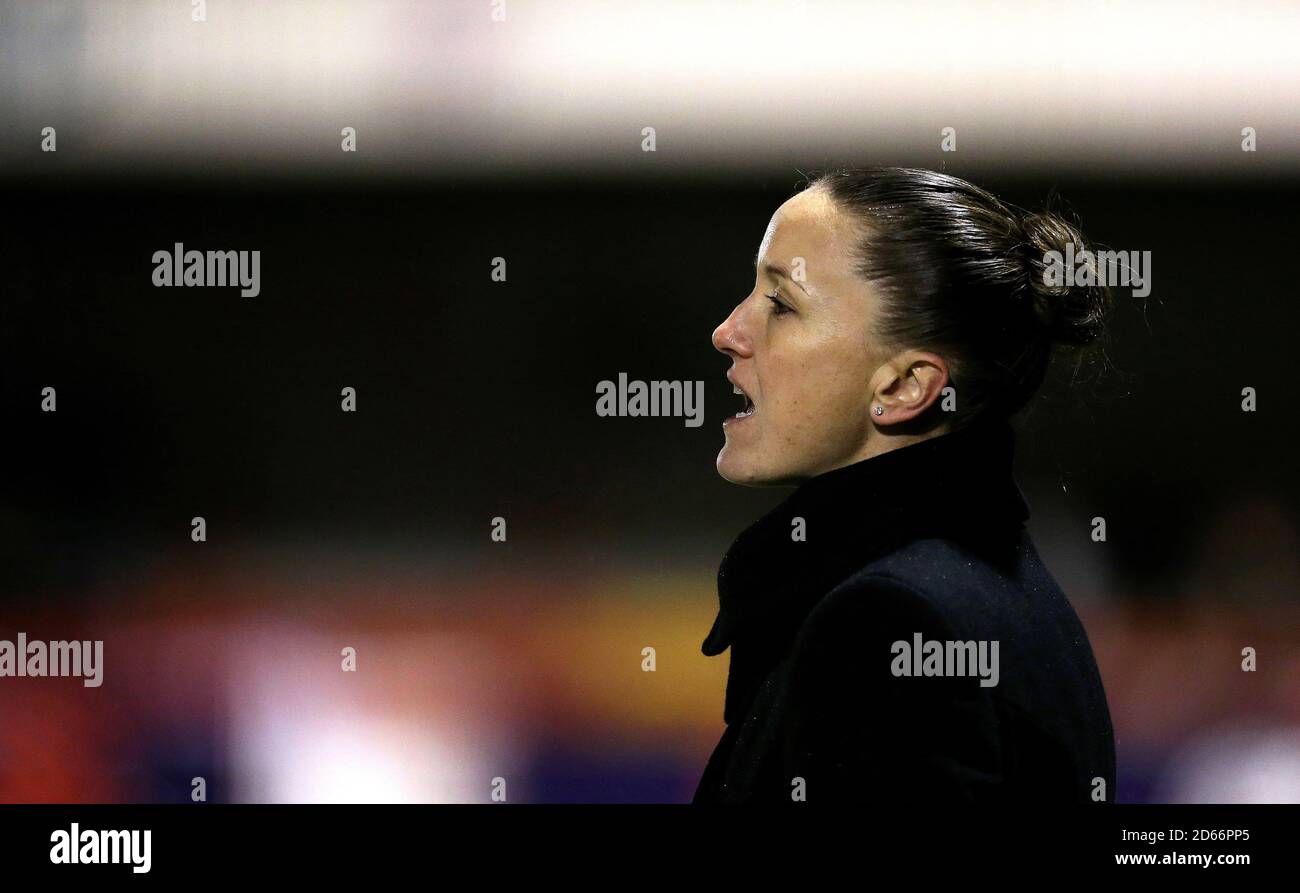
{"points": [[802, 351]]}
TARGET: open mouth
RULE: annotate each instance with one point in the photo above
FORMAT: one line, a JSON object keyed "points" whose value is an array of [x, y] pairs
{"points": [[749, 404]]}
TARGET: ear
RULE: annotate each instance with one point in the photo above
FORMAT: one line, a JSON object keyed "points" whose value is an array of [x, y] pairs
{"points": [[907, 385]]}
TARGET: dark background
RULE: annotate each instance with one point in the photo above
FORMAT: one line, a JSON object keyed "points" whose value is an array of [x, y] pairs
{"points": [[478, 396]]}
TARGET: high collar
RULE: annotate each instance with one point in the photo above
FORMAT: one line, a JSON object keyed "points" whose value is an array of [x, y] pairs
{"points": [[957, 485]]}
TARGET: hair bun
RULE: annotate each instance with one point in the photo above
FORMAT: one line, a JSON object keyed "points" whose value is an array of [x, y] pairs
{"points": [[1070, 313]]}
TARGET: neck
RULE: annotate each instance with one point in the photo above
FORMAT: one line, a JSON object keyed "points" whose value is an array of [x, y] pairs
{"points": [[880, 441]]}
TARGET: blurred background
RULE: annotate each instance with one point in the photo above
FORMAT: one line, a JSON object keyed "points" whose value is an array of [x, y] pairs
{"points": [[516, 130]]}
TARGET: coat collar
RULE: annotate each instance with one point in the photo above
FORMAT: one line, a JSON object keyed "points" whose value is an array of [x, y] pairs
{"points": [[957, 485]]}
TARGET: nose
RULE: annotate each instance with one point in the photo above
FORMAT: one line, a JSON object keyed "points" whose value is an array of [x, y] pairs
{"points": [[730, 337]]}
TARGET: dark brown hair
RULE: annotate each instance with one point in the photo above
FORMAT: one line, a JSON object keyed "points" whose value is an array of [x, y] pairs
{"points": [[962, 273]]}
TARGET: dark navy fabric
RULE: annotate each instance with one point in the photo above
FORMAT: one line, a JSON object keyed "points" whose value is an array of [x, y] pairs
{"points": [[927, 539]]}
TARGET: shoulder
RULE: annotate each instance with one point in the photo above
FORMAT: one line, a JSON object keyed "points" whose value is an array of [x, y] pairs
{"points": [[861, 722], [873, 600], [928, 585], [852, 634], [971, 589], [855, 634]]}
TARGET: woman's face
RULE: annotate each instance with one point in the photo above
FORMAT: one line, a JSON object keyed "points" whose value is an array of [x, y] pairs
{"points": [[802, 351]]}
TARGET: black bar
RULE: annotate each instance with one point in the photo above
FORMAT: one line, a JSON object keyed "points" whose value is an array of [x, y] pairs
{"points": [[619, 843]]}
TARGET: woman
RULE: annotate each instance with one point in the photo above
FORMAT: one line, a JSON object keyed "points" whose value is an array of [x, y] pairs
{"points": [[894, 635]]}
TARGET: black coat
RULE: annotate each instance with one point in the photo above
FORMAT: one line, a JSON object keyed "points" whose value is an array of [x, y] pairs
{"points": [[928, 539]]}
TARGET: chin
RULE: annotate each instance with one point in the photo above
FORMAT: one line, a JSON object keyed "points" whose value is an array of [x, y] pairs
{"points": [[735, 470], [744, 471]]}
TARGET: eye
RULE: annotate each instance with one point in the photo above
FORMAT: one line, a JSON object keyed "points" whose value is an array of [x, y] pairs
{"points": [[778, 308]]}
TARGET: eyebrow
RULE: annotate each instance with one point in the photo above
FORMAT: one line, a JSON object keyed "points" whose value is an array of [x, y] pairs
{"points": [[777, 270]]}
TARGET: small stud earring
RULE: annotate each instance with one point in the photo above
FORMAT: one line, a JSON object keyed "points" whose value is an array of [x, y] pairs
{"points": [[879, 410]]}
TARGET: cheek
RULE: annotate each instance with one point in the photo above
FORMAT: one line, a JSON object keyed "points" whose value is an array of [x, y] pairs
{"points": [[823, 388]]}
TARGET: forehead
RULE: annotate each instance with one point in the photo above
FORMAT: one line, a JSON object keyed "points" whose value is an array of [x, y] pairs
{"points": [[810, 225]]}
